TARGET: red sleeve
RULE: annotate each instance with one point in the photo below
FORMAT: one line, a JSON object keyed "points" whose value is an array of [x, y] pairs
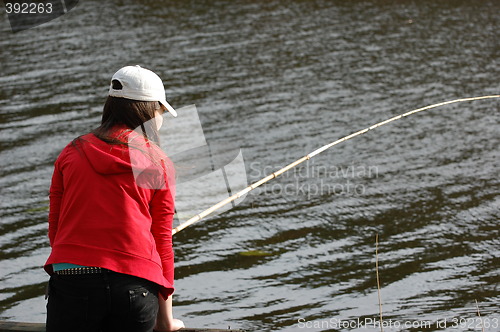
{"points": [[162, 212], [55, 197]]}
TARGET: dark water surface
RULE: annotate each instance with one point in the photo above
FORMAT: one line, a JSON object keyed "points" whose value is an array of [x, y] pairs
{"points": [[279, 79]]}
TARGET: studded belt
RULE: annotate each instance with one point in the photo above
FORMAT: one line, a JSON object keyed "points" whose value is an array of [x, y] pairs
{"points": [[80, 270]]}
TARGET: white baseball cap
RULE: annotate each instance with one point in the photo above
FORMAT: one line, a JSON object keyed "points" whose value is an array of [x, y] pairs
{"points": [[140, 84]]}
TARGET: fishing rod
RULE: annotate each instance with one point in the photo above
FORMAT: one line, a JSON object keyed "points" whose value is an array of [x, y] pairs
{"points": [[239, 194]]}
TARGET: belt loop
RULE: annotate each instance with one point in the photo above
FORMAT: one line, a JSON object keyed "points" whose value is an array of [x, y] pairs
{"points": [[107, 284], [105, 275]]}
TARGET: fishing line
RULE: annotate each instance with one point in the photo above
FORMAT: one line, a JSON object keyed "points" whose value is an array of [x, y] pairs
{"points": [[243, 192]]}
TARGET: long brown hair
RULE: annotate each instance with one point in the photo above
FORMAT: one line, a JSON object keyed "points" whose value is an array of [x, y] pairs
{"points": [[131, 113]]}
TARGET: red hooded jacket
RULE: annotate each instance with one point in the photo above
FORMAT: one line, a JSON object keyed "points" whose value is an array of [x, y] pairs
{"points": [[112, 206]]}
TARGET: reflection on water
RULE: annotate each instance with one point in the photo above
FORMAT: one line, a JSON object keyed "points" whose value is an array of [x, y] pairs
{"points": [[279, 79]]}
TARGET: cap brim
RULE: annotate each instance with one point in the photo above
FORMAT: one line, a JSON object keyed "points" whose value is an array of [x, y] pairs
{"points": [[170, 109]]}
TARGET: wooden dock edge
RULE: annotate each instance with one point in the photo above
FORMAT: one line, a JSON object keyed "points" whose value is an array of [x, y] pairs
{"points": [[40, 327]]}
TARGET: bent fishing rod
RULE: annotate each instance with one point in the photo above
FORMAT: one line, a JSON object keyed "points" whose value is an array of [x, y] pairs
{"points": [[243, 192]]}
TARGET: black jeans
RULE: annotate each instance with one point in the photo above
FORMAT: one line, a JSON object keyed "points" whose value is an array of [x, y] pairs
{"points": [[105, 302]]}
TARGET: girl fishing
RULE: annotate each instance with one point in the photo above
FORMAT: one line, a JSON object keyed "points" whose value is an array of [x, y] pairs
{"points": [[110, 219]]}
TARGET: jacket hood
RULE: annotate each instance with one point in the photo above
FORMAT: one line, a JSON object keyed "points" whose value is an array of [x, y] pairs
{"points": [[105, 158], [137, 154], [145, 160]]}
